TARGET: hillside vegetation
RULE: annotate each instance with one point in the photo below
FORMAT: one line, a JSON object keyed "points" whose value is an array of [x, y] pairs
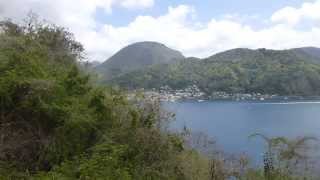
{"points": [[54, 124], [282, 72], [137, 56]]}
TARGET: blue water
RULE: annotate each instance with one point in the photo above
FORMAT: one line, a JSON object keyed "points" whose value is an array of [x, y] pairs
{"points": [[230, 123]]}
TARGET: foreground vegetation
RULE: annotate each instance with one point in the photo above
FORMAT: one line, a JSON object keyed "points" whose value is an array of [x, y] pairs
{"points": [[56, 124]]}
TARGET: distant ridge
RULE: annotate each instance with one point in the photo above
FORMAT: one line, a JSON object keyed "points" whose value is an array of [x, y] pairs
{"points": [[311, 54]]}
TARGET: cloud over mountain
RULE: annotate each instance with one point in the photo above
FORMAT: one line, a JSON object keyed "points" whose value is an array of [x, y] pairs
{"points": [[178, 28]]}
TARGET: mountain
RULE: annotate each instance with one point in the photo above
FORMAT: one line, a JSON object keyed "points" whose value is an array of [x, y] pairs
{"points": [[137, 56], [233, 55], [313, 53], [310, 54], [283, 72]]}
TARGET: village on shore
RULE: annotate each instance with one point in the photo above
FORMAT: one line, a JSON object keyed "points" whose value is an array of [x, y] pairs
{"points": [[167, 94]]}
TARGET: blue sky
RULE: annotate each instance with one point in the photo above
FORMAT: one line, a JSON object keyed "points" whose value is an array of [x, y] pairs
{"points": [[206, 9], [196, 28]]}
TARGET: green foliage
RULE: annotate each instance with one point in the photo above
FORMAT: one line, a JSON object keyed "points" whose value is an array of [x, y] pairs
{"points": [[37, 95], [54, 124], [235, 71]]}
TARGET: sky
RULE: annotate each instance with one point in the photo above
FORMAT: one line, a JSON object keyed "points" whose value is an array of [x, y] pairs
{"points": [[196, 28]]}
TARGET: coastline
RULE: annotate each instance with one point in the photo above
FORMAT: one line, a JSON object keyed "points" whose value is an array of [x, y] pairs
{"points": [[179, 95]]}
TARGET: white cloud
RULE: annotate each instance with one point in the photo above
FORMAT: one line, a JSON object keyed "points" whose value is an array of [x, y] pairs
{"points": [[134, 4], [294, 16], [178, 28], [77, 15]]}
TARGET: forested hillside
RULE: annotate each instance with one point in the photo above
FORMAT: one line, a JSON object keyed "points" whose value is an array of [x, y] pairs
{"points": [[137, 56], [285, 72]]}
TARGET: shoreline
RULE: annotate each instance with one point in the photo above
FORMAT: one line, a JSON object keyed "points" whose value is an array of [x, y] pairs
{"points": [[194, 93]]}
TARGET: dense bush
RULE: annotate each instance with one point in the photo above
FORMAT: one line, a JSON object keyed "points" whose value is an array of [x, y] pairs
{"points": [[56, 124]]}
